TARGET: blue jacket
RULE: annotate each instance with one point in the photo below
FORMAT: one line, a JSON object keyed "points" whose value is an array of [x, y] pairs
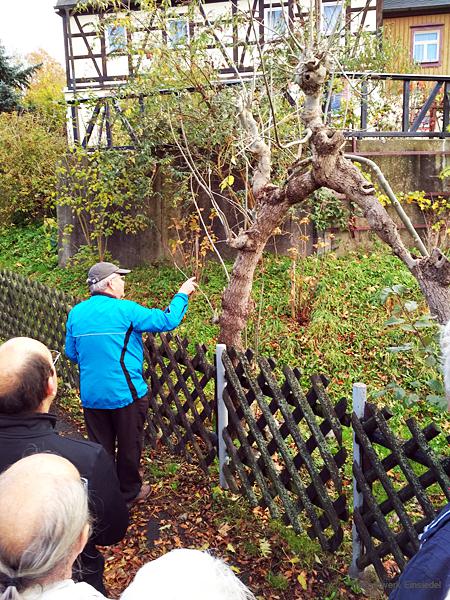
{"points": [[427, 574], [104, 336]]}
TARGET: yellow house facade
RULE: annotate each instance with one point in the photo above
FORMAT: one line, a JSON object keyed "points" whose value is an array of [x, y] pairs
{"points": [[423, 29]]}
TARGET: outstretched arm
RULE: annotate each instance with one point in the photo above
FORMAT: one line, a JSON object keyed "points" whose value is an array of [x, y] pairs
{"points": [[155, 321]]}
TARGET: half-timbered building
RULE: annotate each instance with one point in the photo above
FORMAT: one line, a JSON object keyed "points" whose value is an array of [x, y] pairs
{"points": [[98, 58], [102, 54]]}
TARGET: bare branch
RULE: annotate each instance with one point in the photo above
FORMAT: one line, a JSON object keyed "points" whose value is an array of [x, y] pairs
{"points": [[205, 229], [318, 17], [257, 146], [198, 177]]}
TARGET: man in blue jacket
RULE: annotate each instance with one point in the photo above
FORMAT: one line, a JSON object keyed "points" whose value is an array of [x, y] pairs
{"points": [[104, 337], [427, 574]]}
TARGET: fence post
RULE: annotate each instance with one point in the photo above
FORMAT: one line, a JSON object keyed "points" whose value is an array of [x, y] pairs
{"points": [[359, 400], [222, 413]]}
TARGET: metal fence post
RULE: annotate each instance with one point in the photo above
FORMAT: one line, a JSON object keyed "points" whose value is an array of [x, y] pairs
{"points": [[222, 413], [359, 397]]}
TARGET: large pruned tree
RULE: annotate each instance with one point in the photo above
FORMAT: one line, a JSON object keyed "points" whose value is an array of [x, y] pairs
{"points": [[326, 166], [281, 158]]}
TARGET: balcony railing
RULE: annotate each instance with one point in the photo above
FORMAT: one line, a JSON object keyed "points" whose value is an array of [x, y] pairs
{"points": [[363, 105], [393, 105]]}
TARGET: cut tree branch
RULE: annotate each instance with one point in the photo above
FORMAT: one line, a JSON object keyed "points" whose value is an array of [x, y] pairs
{"points": [[257, 146]]}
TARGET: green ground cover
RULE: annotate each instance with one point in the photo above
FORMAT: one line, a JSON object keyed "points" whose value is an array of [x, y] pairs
{"points": [[343, 335]]}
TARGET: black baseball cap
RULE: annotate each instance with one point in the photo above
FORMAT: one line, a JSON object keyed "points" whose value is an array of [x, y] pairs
{"points": [[102, 270]]}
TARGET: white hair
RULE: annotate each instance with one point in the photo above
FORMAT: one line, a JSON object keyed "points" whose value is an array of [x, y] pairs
{"points": [[62, 520], [101, 286], [186, 575], [445, 350]]}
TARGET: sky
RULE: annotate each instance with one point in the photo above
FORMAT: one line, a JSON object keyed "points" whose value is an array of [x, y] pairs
{"points": [[27, 25]]}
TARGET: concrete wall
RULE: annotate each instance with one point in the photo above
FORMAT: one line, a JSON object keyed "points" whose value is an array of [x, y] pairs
{"points": [[408, 165], [405, 169]]}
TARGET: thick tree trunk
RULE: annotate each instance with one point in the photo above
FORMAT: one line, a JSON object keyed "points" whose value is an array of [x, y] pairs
{"points": [[236, 300], [272, 207]]}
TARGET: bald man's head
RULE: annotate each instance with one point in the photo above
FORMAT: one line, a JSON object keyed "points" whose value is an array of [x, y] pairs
{"points": [[44, 494], [26, 369]]}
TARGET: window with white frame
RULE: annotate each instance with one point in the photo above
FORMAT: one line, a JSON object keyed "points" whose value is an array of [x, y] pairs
{"points": [[116, 38], [426, 45], [177, 32], [331, 17], [275, 23]]}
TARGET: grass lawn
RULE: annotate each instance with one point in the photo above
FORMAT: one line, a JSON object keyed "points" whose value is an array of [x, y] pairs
{"points": [[336, 326]]}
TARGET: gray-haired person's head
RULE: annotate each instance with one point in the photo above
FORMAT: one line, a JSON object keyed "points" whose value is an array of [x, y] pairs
{"points": [[100, 286], [186, 574], [44, 523], [101, 274]]}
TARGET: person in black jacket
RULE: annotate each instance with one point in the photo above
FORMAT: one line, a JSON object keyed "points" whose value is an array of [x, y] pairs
{"points": [[28, 385]]}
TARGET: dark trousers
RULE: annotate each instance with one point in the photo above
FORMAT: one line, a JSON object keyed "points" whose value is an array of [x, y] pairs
{"points": [[121, 433]]}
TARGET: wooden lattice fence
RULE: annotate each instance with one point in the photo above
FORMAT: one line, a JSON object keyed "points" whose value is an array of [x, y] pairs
{"points": [[403, 484], [285, 448], [31, 309], [182, 408]]}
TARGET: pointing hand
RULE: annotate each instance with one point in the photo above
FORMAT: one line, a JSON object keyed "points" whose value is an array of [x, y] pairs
{"points": [[188, 287]]}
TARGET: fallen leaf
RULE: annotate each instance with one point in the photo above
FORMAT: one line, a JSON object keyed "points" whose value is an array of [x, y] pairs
{"points": [[301, 578]]}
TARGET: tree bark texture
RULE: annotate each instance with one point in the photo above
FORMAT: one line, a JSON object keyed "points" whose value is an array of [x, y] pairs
{"points": [[433, 276], [272, 207]]}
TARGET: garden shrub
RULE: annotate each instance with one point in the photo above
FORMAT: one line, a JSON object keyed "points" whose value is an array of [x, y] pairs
{"points": [[107, 191], [29, 153]]}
